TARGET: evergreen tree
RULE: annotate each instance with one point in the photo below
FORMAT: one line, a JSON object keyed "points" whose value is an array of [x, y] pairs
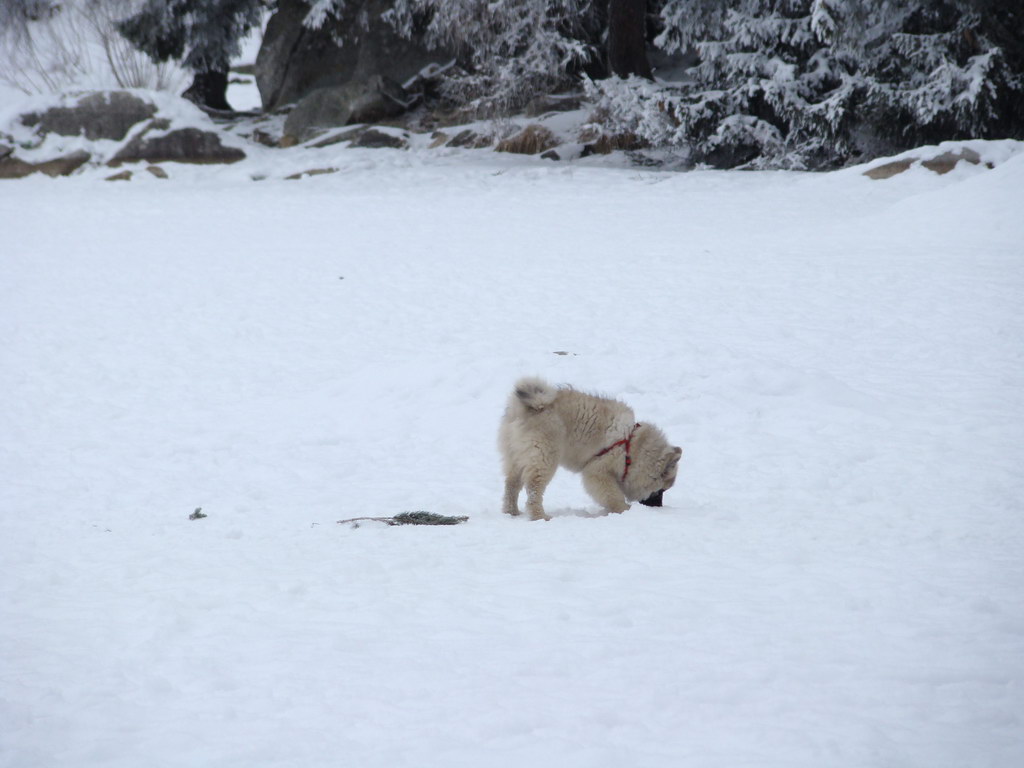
{"points": [[204, 35], [509, 51], [817, 83]]}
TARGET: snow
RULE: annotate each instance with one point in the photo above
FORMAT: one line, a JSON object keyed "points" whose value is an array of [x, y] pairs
{"points": [[836, 577]]}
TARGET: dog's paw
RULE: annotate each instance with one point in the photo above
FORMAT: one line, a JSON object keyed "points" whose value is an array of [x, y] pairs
{"points": [[540, 516]]}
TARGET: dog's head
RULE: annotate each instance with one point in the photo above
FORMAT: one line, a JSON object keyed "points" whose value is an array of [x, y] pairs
{"points": [[654, 468], [668, 477], [654, 500]]}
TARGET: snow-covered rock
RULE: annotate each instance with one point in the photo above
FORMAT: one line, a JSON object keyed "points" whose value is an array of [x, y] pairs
{"points": [[13, 167], [339, 51], [59, 134], [98, 115], [943, 158], [159, 143], [359, 101]]}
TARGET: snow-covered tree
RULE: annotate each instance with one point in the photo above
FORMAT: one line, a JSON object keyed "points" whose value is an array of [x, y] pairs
{"points": [[816, 83], [322, 10], [941, 71], [510, 50], [204, 35]]}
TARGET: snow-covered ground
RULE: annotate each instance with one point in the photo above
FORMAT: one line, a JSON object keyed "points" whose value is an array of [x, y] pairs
{"points": [[836, 579]]}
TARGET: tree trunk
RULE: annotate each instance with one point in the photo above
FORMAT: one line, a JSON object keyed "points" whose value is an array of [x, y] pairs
{"points": [[627, 42], [209, 89]]}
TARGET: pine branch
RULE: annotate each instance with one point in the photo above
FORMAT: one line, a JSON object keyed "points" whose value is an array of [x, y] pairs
{"points": [[412, 518]]}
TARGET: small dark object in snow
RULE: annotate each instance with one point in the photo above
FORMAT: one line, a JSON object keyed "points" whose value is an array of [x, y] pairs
{"points": [[411, 518], [426, 518], [654, 500], [197, 515]]}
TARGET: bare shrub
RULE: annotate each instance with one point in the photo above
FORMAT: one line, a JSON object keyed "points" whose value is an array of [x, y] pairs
{"points": [[75, 44]]}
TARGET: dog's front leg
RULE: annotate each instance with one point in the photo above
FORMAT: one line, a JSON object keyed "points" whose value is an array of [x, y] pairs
{"points": [[603, 489]]}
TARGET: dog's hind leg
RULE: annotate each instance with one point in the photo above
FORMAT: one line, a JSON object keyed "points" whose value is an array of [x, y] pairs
{"points": [[605, 491], [536, 477], [513, 484]]}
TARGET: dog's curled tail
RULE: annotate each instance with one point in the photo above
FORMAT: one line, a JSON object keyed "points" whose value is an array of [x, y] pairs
{"points": [[536, 394]]}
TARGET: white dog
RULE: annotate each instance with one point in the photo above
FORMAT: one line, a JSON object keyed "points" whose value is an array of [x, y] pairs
{"points": [[545, 427]]}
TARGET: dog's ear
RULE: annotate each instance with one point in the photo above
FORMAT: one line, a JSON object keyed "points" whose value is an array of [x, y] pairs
{"points": [[672, 461]]}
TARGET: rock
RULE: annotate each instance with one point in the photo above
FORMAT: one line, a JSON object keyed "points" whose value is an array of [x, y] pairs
{"points": [[122, 176], [375, 139], [5, 150], [337, 138], [940, 164], [531, 140], [283, 74], [100, 115], [470, 140], [888, 170], [157, 171], [263, 137], [294, 60], [181, 145], [313, 172], [550, 155], [437, 138], [947, 161], [12, 167], [362, 101]]}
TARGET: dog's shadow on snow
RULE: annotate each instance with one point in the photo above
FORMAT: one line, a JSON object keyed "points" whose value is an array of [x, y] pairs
{"points": [[577, 512], [567, 512]]}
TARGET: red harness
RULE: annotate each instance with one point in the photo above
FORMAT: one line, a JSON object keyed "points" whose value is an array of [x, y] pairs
{"points": [[626, 441]]}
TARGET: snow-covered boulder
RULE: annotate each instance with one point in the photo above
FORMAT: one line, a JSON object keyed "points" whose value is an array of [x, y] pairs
{"points": [[360, 101], [940, 164], [12, 167], [469, 139], [99, 115], [58, 134], [376, 138], [295, 59], [943, 158], [158, 142]]}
